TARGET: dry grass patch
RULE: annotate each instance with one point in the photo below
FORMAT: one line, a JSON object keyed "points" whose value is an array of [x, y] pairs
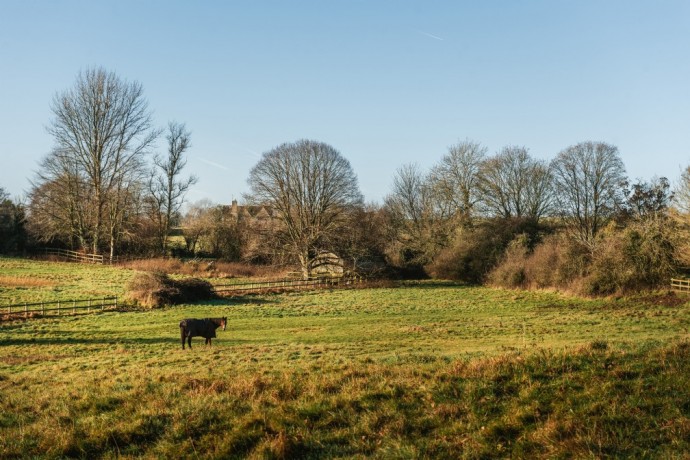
{"points": [[25, 282]]}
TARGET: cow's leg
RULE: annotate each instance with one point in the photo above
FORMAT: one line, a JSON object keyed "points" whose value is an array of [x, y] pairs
{"points": [[189, 341], [182, 336]]}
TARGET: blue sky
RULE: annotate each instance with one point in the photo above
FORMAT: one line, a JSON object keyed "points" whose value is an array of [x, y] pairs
{"points": [[386, 83]]}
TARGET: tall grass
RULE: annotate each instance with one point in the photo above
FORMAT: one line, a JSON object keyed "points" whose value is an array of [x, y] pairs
{"points": [[425, 370]]}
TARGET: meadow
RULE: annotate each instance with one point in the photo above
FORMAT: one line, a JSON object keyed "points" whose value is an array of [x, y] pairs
{"points": [[426, 369]]}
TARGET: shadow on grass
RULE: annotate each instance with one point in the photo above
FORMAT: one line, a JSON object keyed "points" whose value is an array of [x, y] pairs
{"points": [[57, 337], [86, 341], [239, 300], [433, 284]]}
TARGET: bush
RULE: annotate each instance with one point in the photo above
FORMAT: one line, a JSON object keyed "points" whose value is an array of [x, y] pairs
{"points": [[639, 256], [156, 289], [476, 251], [557, 262]]}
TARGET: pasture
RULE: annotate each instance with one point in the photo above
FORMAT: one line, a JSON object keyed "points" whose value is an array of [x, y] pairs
{"points": [[421, 370]]}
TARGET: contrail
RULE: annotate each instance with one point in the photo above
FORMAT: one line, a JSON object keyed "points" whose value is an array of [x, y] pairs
{"points": [[214, 164], [435, 37]]}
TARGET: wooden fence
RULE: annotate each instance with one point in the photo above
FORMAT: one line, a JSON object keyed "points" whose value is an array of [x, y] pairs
{"points": [[74, 256], [60, 307], [287, 285], [682, 285]]}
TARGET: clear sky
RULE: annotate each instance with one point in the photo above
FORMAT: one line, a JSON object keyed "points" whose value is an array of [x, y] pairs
{"points": [[384, 82]]}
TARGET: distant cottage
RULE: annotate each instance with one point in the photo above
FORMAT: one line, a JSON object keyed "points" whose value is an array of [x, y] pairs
{"points": [[252, 215]]}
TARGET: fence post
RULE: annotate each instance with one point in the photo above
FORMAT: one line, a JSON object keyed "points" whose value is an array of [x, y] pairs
{"points": [[74, 306], [103, 304], [26, 310], [58, 308], [43, 308], [116, 302]]}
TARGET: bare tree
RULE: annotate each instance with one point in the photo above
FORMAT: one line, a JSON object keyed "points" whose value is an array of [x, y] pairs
{"points": [[166, 188], [648, 200], [59, 207], [455, 178], [589, 178], [195, 224], [312, 187], [102, 130], [681, 196], [421, 223], [512, 184]]}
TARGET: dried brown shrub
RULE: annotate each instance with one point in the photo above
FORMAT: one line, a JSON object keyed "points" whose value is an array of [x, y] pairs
{"points": [[156, 289]]}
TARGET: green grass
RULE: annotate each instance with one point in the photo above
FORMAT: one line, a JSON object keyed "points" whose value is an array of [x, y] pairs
{"points": [[61, 281], [424, 370]]}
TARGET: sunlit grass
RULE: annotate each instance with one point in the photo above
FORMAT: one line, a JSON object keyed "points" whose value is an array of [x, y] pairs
{"points": [[423, 370], [51, 281]]}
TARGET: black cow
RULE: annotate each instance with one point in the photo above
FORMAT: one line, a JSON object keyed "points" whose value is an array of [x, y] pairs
{"points": [[205, 328]]}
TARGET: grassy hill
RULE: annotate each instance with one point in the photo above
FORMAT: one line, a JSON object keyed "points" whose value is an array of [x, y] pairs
{"points": [[423, 370]]}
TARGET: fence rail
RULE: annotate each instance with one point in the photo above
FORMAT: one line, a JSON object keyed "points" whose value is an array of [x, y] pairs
{"points": [[682, 285], [287, 284], [60, 307], [74, 256]]}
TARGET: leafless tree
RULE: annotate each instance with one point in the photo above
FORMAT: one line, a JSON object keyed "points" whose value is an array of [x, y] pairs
{"points": [[419, 221], [165, 186], [589, 179], [102, 130], [681, 196], [455, 178], [195, 224], [58, 203], [312, 187], [513, 184]]}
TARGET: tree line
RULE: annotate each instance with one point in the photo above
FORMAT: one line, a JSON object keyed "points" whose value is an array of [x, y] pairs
{"points": [[473, 216], [96, 189]]}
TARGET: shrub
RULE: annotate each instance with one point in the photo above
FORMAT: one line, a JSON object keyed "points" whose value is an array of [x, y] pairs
{"points": [[511, 273], [639, 256], [156, 289], [476, 251]]}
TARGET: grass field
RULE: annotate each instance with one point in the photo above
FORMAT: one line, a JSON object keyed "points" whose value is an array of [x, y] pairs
{"points": [[422, 370]]}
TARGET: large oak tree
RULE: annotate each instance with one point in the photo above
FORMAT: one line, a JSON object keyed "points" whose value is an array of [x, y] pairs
{"points": [[311, 188]]}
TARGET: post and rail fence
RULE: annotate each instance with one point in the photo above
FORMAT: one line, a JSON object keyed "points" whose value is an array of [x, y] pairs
{"points": [[74, 256], [60, 307], [681, 285], [287, 284], [82, 257], [66, 307]]}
